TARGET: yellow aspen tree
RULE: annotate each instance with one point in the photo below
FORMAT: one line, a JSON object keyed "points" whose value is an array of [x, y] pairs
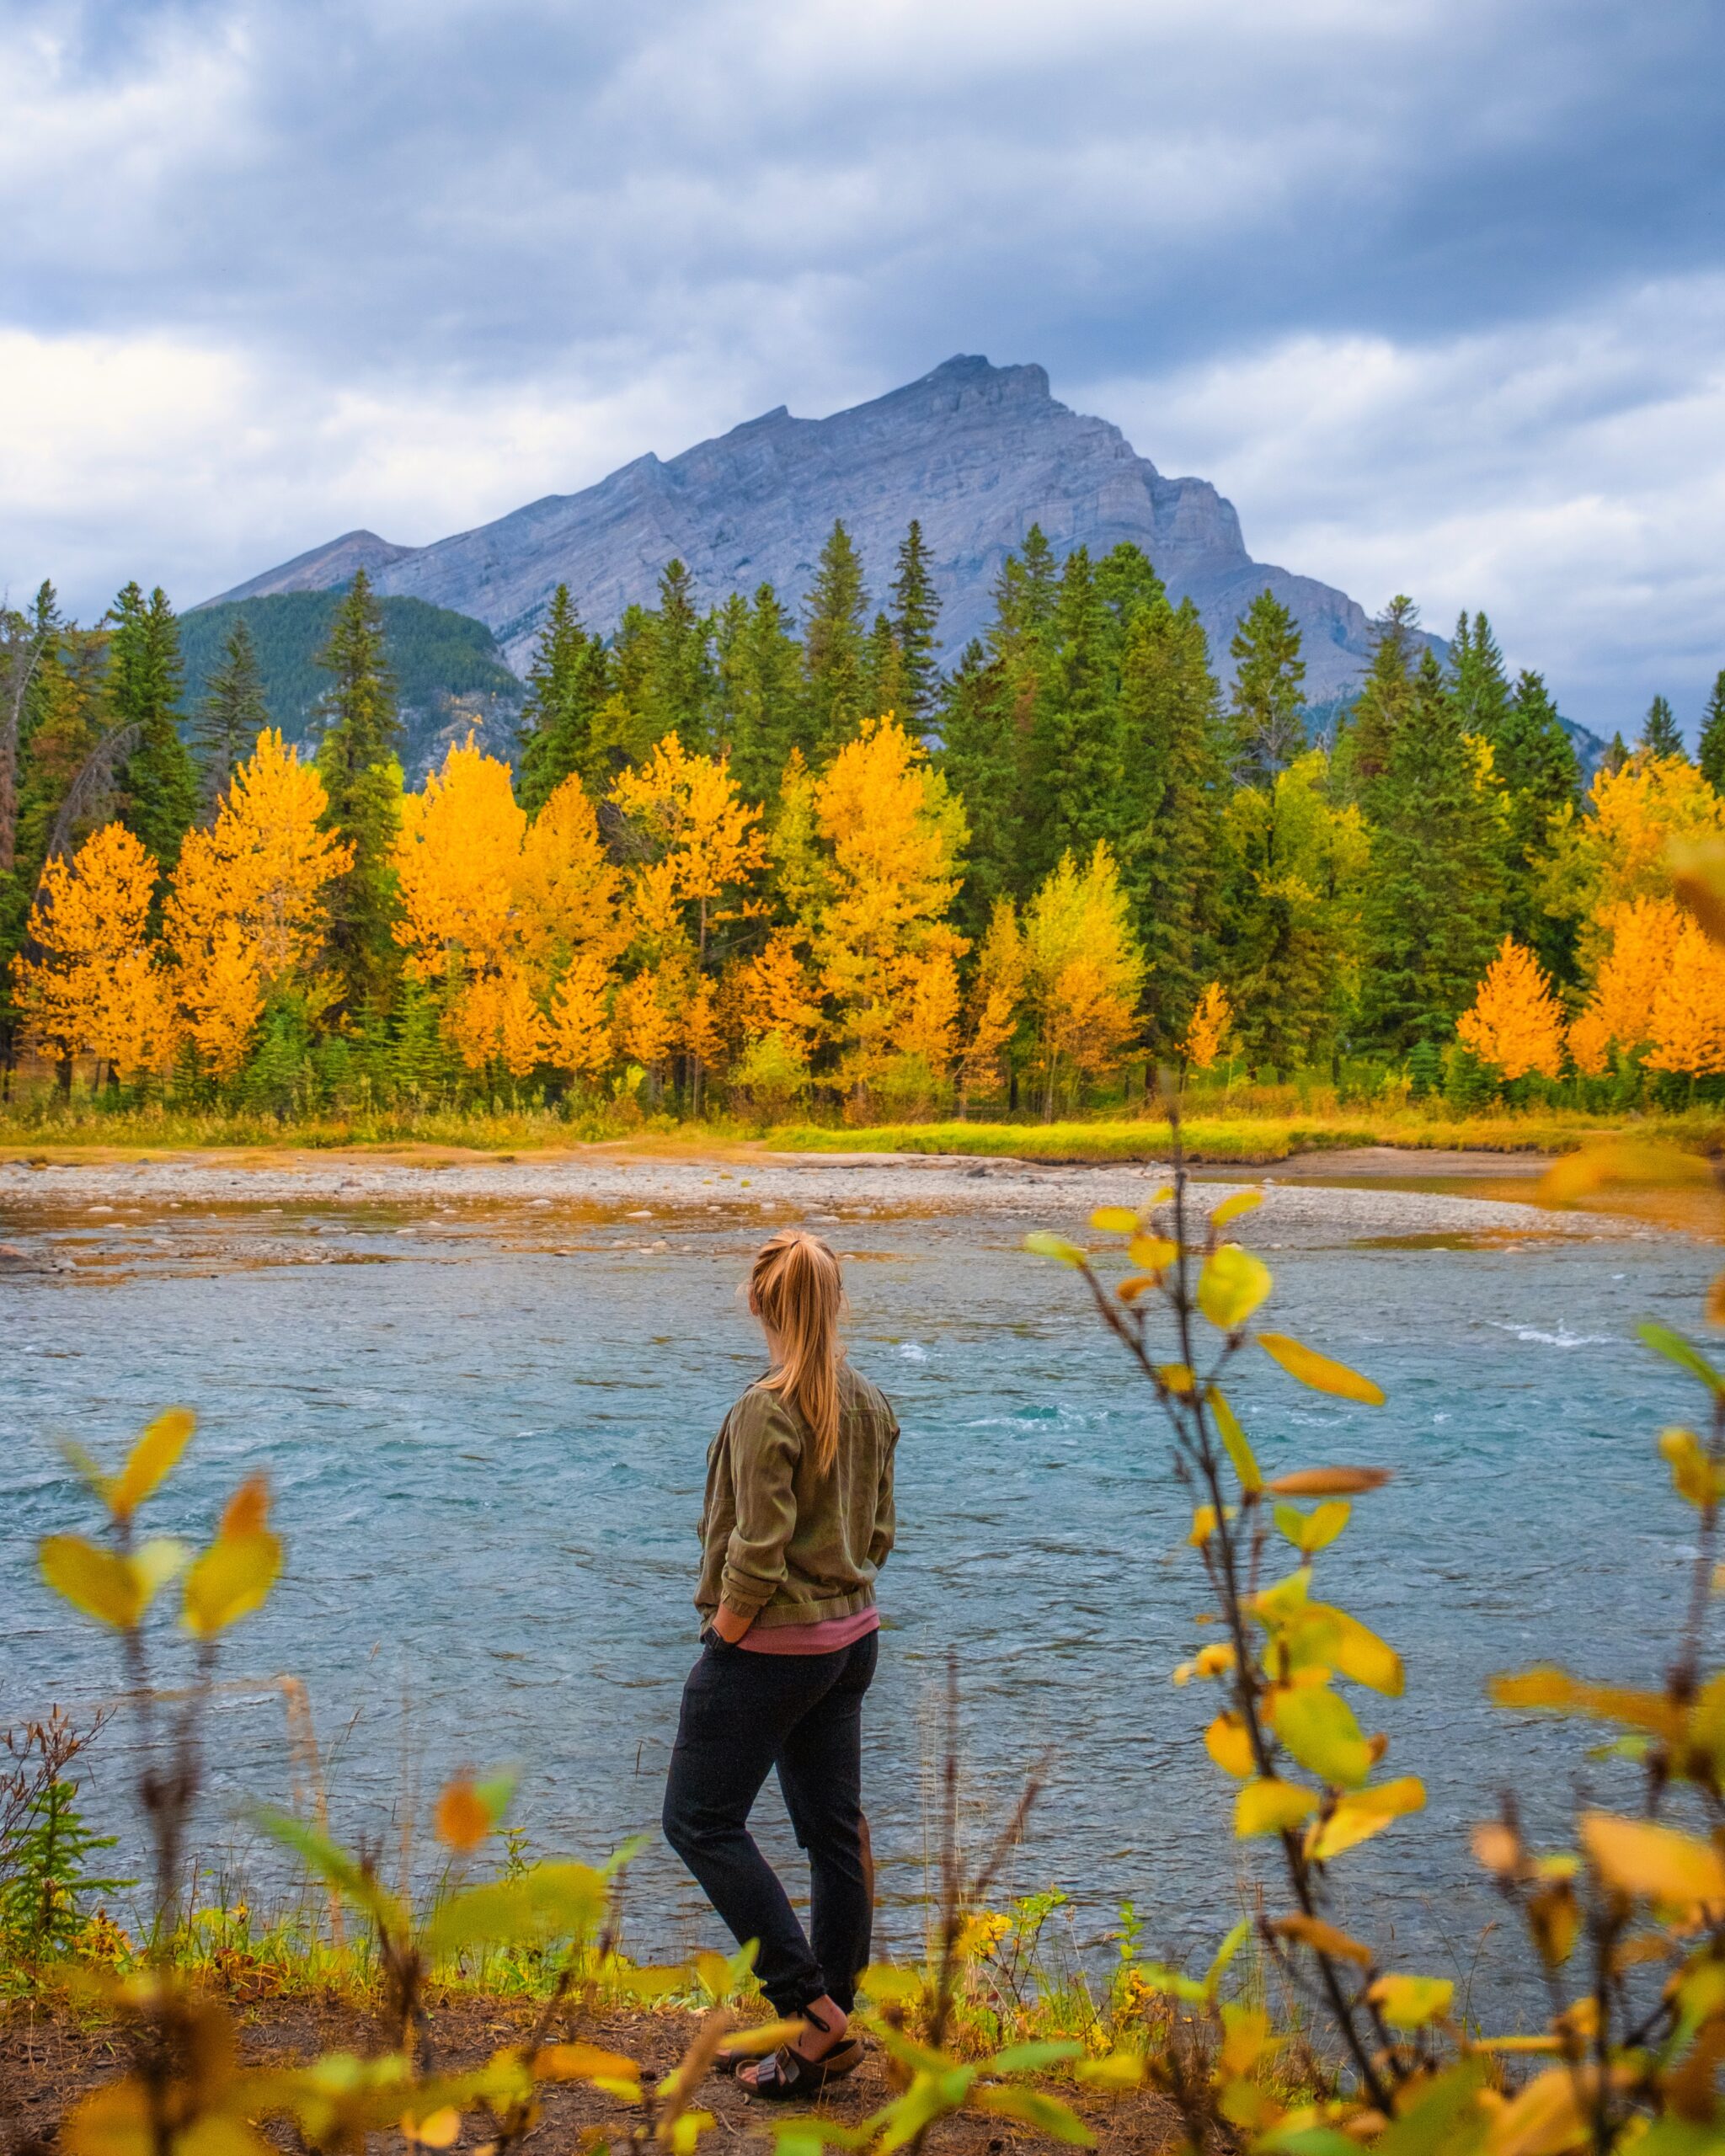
{"points": [[770, 1002], [1603, 861], [644, 1016], [1515, 1025], [1211, 1027], [996, 997], [247, 913], [882, 948], [1083, 974], [99, 987], [1687, 1030], [581, 1040], [1619, 1014]]}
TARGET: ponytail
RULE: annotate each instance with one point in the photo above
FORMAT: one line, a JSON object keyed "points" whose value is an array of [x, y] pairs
{"points": [[795, 1291]]}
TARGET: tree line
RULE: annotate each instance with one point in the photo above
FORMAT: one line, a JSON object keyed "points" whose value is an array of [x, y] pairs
{"points": [[772, 854]]}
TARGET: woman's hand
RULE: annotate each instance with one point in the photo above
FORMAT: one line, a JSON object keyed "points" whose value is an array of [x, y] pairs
{"points": [[730, 1626]]}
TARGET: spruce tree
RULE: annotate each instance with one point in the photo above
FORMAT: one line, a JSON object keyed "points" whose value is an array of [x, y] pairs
{"points": [[1616, 755], [568, 682], [916, 615], [758, 692], [1170, 733], [1128, 586], [1266, 700], [159, 783], [1074, 770], [1659, 734], [676, 689], [979, 758], [1535, 760], [1384, 703], [886, 684], [1711, 757], [833, 659], [1477, 684], [362, 777], [233, 713], [1434, 900]]}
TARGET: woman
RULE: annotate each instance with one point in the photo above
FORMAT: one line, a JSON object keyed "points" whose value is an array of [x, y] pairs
{"points": [[797, 1523]]}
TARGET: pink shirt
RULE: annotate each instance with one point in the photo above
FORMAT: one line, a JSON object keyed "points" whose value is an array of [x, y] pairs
{"points": [[826, 1637]]}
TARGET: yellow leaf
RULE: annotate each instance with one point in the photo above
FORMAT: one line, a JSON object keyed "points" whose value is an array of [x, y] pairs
{"points": [[1136, 1285], [1638, 1857], [891, 1986], [1177, 1377], [1329, 1481], [1556, 1690], [582, 2062], [1633, 1164], [1234, 1442], [714, 1972], [1118, 2070], [1318, 1727], [1227, 1743], [462, 1819], [1323, 1939], [1215, 1661], [247, 1511], [1232, 1286], [442, 2129], [1410, 2002], [1245, 2033], [1115, 1220], [104, 1586], [1320, 1635], [1357, 1817], [1152, 1253], [1497, 1848], [1204, 1525], [1549, 2116], [764, 2036], [232, 1579], [1042, 1243], [1267, 1806], [150, 1460], [1230, 1209], [1318, 1371], [1692, 1474], [1315, 1530]]}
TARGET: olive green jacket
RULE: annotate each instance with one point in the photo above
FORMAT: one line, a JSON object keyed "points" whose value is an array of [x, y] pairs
{"points": [[779, 1539]]}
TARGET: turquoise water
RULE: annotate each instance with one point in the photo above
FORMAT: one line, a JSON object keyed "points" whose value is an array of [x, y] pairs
{"points": [[487, 1442]]}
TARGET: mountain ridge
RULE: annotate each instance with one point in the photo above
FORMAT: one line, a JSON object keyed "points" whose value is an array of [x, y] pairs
{"points": [[979, 453]]}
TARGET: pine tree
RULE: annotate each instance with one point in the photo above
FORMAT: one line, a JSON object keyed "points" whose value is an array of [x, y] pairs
{"points": [[231, 716], [759, 691], [979, 759], [676, 689], [1385, 701], [1659, 734], [1171, 737], [1711, 757], [357, 763], [1616, 755], [1075, 772], [1477, 684], [916, 615], [158, 782], [1433, 898], [1268, 732], [886, 685], [833, 661], [1535, 760], [567, 682]]}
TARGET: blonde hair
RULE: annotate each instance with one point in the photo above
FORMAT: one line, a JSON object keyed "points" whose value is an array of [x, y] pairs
{"points": [[795, 1290]]}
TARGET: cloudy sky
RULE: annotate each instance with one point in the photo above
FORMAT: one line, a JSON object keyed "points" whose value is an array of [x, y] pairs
{"points": [[1434, 293]]}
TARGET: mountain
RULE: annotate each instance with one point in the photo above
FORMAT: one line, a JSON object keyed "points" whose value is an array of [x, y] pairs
{"points": [[979, 453], [449, 676]]}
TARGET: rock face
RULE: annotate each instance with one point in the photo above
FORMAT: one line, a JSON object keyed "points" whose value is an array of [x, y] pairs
{"points": [[979, 453]]}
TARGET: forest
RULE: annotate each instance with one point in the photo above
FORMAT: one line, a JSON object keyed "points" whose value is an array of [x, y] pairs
{"points": [[750, 860]]}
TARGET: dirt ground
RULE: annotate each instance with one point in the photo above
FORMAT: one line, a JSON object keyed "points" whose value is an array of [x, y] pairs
{"points": [[49, 2057]]}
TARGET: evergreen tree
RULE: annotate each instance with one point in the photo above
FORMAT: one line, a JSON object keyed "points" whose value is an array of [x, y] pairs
{"points": [[1074, 770], [1616, 756], [1659, 736], [1170, 739], [979, 758], [567, 684], [676, 686], [1433, 905], [1128, 586], [30, 668], [1536, 762], [759, 691], [833, 659], [916, 615], [159, 783], [357, 762], [1711, 757], [886, 684], [1477, 684], [231, 716], [1268, 732], [1384, 703]]}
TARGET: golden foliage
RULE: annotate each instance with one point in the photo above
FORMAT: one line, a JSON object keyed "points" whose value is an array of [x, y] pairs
{"points": [[1516, 1025], [99, 987], [1083, 969], [1212, 1024], [245, 915], [1603, 861], [1644, 936], [996, 994], [1686, 1029]]}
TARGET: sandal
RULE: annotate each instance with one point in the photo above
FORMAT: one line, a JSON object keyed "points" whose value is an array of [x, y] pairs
{"points": [[785, 2074]]}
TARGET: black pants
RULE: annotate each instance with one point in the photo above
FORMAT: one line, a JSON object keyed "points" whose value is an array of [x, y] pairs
{"points": [[743, 1714]]}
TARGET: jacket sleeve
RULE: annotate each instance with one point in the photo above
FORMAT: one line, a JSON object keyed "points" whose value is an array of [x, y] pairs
{"points": [[886, 1518], [764, 1448]]}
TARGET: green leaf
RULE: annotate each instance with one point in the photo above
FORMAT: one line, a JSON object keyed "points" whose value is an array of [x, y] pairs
{"points": [[1031, 2059], [552, 1901], [1031, 2108], [1042, 1243], [1312, 1530], [1234, 1443], [1317, 1726], [1232, 1286], [332, 1863], [1676, 1349], [1224, 1954]]}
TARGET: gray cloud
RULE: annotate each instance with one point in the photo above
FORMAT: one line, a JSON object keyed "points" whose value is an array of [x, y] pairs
{"points": [[520, 242]]}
